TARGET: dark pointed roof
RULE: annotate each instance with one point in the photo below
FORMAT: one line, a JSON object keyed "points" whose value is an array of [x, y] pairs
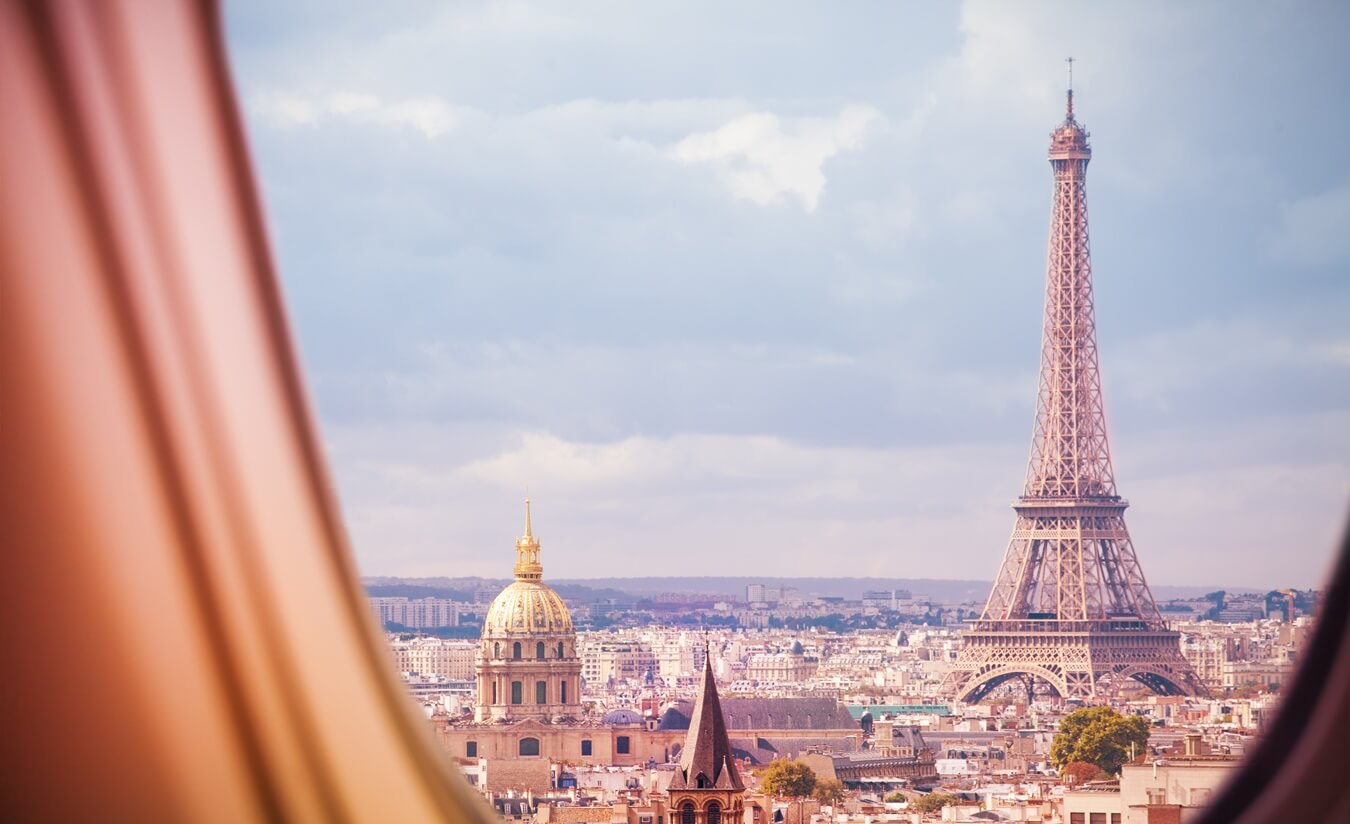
{"points": [[707, 751]]}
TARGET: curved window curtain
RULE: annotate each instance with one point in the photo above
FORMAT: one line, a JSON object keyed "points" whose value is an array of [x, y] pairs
{"points": [[174, 494], [687, 813], [714, 813]]}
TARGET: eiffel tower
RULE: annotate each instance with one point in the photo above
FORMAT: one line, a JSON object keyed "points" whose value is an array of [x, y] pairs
{"points": [[1070, 606]]}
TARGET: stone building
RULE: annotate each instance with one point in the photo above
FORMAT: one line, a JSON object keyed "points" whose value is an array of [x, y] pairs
{"points": [[706, 787], [527, 657]]}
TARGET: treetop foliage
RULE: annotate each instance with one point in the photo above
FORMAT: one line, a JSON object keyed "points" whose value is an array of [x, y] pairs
{"points": [[1099, 736], [791, 779]]}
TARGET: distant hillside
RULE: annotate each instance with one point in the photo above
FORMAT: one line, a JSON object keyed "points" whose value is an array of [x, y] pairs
{"points": [[851, 588], [601, 589]]}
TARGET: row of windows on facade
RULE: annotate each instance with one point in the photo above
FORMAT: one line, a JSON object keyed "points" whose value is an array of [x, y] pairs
{"points": [[540, 692], [517, 650], [530, 746], [1093, 818]]}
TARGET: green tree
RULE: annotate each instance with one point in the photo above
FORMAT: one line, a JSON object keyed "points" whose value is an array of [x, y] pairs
{"points": [[896, 796], [933, 802], [1100, 736], [828, 791], [790, 779]]}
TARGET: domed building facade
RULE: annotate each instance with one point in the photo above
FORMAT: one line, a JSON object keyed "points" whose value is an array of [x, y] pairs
{"points": [[528, 666]]}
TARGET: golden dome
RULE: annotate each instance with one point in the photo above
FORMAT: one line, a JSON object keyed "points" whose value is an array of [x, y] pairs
{"points": [[527, 608]]}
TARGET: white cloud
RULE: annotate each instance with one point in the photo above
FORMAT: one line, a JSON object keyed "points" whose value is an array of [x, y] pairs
{"points": [[762, 157], [429, 499], [1314, 230], [428, 115], [1149, 371]]}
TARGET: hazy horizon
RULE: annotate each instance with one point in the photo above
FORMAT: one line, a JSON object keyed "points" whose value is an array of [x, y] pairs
{"points": [[727, 287]]}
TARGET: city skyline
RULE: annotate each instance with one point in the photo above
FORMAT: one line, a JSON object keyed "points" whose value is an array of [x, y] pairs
{"points": [[785, 320]]}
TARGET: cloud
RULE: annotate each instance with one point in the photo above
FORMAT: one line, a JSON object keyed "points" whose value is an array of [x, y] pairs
{"points": [[428, 499], [761, 157], [1314, 230], [522, 245], [430, 116]]}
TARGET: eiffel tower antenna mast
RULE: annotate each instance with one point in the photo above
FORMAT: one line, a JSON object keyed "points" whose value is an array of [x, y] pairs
{"points": [[1070, 605]]}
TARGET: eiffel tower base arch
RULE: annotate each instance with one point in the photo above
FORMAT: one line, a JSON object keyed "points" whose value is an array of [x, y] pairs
{"points": [[1086, 660]]}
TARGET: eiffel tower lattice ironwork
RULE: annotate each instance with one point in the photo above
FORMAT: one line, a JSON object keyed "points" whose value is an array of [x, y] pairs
{"points": [[1070, 606]]}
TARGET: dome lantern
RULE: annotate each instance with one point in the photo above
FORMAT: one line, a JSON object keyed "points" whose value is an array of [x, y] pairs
{"points": [[528, 567]]}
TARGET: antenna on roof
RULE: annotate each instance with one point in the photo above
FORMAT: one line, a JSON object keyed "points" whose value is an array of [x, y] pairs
{"points": [[1068, 107]]}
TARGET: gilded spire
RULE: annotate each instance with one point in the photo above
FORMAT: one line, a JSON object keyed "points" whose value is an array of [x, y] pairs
{"points": [[528, 567]]}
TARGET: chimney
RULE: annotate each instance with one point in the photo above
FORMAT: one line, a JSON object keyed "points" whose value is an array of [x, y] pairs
{"points": [[1193, 745]]}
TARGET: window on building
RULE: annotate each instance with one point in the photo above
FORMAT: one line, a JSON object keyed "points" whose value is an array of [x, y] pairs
{"points": [[562, 692], [541, 692], [494, 692], [1096, 818], [516, 692], [1115, 818], [585, 746], [529, 746], [621, 745], [471, 749], [1077, 818], [687, 813], [515, 651], [560, 649], [714, 813], [539, 650], [497, 649]]}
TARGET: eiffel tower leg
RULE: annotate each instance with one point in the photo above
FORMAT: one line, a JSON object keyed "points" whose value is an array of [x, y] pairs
{"points": [[1029, 684]]}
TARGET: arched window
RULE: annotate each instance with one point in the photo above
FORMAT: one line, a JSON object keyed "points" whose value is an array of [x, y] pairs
{"points": [[687, 813], [496, 649], [562, 692], [539, 650], [560, 649], [515, 651], [714, 813], [702, 781], [529, 746], [541, 692]]}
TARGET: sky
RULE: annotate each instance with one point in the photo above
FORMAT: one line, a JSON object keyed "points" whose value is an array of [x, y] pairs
{"points": [[756, 288]]}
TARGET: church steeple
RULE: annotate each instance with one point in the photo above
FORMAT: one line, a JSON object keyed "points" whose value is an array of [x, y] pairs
{"points": [[706, 762], [528, 567]]}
